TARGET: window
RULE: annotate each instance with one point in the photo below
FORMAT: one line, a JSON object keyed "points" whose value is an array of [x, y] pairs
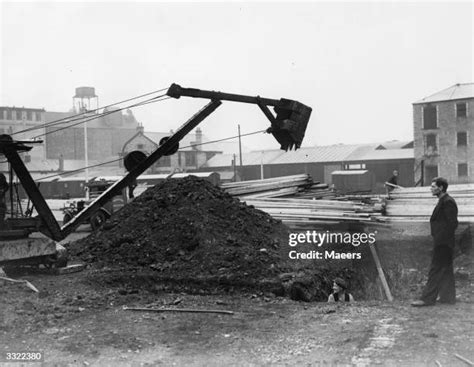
{"points": [[38, 116], [354, 166], [462, 139], [9, 114], [2, 111], [29, 115], [140, 146], [430, 144], [430, 173], [190, 158], [462, 169], [18, 115], [430, 117], [461, 109]]}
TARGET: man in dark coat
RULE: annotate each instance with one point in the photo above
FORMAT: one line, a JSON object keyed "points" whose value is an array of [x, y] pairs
{"points": [[392, 182], [443, 222], [394, 179]]}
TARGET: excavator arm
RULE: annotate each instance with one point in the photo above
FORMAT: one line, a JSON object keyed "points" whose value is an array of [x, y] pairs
{"points": [[288, 127]]}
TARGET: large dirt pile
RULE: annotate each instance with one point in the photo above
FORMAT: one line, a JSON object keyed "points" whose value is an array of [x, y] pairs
{"points": [[188, 229]]}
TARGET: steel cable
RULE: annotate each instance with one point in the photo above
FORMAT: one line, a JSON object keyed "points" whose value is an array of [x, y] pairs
{"points": [[81, 115], [118, 159]]}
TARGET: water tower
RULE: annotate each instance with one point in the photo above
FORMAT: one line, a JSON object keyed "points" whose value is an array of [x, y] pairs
{"points": [[85, 99]]}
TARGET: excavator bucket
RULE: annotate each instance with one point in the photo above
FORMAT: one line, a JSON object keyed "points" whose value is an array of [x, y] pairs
{"points": [[290, 124]]}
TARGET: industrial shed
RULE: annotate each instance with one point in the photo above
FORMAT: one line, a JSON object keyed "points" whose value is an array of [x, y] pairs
{"points": [[320, 161]]}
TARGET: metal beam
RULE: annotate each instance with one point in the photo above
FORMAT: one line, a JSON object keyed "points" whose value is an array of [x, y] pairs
{"points": [[45, 213], [177, 91]]}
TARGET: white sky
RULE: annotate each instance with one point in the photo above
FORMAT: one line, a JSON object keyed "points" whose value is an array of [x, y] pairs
{"points": [[359, 65]]}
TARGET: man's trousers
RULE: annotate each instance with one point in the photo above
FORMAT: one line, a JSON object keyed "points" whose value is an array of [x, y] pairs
{"points": [[440, 277]]}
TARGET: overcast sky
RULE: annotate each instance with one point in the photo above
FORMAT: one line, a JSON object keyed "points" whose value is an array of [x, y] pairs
{"points": [[359, 65]]}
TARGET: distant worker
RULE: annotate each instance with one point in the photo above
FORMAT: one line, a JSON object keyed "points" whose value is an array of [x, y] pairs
{"points": [[340, 293], [392, 183], [3, 206], [443, 222]]}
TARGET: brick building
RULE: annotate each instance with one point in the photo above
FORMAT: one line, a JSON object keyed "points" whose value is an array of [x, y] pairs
{"points": [[444, 135], [105, 135], [16, 121]]}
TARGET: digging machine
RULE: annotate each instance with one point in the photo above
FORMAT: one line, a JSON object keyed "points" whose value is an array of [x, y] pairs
{"points": [[37, 239]]}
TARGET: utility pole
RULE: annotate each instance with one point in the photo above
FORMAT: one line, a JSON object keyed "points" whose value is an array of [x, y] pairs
{"points": [[235, 168], [86, 156], [83, 98], [261, 165], [240, 148]]}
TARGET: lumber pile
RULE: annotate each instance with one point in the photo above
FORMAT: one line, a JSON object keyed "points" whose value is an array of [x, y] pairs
{"points": [[301, 186], [300, 210], [417, 203], [270, 187], [317, 191], [297, 200]]}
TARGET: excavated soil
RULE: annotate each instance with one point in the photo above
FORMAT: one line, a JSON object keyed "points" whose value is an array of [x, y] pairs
{"points": [[194, 236]]}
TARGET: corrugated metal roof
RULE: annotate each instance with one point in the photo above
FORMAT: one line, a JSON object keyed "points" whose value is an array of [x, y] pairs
{"points": [[367, 154], [248, 159], [330, 153], [319, 154], [261, 156], [457, 91], [226, 147], [395, 144], [220, 160]]}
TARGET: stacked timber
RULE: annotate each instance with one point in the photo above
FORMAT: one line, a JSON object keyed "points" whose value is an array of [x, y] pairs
{"points": [[417, 203], [317, 191], [297, 201], [298, 211], [270, 187]]}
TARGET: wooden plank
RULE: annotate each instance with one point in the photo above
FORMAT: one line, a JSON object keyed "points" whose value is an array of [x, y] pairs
{"points": [[386, 288]]}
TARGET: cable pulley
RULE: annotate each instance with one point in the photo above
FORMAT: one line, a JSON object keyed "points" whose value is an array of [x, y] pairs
{"points": [[173, 149], [133, 159]]}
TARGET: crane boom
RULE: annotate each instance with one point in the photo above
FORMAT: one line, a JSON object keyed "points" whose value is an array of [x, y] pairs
{"points": [[288, 127]]}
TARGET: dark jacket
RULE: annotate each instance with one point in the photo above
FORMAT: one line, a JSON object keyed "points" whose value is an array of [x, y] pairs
{"points": [[393, 180], [444, 221]]}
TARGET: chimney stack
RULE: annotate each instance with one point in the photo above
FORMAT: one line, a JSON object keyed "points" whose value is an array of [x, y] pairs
{"points": [[197, 144]]}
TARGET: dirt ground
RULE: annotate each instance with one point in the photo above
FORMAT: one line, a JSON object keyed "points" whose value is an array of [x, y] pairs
{"points": [[207, 251], [76, 320]]}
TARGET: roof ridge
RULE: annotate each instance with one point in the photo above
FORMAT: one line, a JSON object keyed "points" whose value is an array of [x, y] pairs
{"points": [[455, 91], [441, 91]]}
